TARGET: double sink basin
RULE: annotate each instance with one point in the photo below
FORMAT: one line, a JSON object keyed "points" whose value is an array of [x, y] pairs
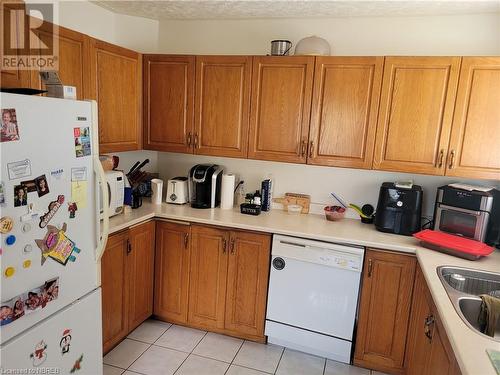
{"points": [[464, 286]]}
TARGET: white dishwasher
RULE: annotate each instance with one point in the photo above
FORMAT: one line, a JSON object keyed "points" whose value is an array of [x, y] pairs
{"points": [[313, 296]]}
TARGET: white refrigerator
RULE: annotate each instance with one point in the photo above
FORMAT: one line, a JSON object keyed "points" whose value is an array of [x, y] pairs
{"points": [[52, 236]]}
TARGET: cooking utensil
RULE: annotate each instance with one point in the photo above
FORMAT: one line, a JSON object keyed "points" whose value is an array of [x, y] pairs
{"points": [[280, 47]]}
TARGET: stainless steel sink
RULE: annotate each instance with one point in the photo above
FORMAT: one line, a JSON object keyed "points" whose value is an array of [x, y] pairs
{"points": [[464, 286]]}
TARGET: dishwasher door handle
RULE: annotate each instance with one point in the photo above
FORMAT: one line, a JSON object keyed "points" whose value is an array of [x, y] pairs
{"points": [[292, 243]]}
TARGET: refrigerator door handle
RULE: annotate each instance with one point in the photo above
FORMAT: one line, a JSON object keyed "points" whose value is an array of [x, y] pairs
{"points": [[102, 237]]}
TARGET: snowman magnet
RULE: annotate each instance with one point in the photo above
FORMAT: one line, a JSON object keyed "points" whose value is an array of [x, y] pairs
{"points": [[39, 355]]}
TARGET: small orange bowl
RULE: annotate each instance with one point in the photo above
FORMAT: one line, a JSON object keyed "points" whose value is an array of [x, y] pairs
{"points": [[334, 213]]}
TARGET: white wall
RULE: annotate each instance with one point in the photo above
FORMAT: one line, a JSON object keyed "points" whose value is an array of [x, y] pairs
{"points": [[431, 35], [356, 186], [137, 33]]}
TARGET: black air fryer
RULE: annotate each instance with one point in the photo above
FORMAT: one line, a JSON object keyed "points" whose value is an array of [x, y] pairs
{"points": [[399, 209]]}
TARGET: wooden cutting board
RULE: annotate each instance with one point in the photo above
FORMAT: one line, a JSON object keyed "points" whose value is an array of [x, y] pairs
{"points": [[302, 200]]}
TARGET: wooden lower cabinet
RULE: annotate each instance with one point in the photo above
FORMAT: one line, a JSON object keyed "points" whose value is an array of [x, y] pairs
{"points": [[127, 282], [384, 310], [114, 291], [428, 350], [212, 278], [172, 271]]}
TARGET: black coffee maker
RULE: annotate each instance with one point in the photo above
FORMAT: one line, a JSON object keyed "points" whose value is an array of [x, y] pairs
{"points": [[399, 208], [205, 185]]}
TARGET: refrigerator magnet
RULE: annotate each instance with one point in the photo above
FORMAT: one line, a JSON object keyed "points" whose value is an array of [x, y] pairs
{"points": [[72, 208], [42, 186], [65, 341], [57, 245], [20, 195], [57, 173], [10, 240], [6, 224], [9, 272], [28, 249], [77, 366], [30, 185], [31, 215], [2, 194], [27, 263], [39, 355], [82, 141], [53, 207], [10, 130], [19, 169]]}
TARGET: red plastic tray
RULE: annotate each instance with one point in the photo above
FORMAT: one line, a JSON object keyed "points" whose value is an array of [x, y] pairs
{"points": [[452, 242]]}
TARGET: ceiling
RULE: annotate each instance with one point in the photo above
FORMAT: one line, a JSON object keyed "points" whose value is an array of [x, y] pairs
{"points": [[237, 9]]}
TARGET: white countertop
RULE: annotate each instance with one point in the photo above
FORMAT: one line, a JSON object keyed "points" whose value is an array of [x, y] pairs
{"points": [[469, 347]]}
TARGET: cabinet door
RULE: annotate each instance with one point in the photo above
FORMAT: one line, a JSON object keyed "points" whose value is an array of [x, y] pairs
{"points": [[207, 278], [114, 283], [15, 34], [168, 102], [222, 105], [384, 310], [416, 110], [344, 111], [172, 271], [141, 271], [474, 148], [115, 84], [74, 65], [280, 108], [418, 345], [247, 280]]}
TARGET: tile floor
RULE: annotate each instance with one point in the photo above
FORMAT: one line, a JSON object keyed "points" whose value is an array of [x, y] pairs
{"points": [[158, 348]]}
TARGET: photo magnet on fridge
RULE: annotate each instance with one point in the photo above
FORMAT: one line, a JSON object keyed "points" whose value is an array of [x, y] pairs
{"points": [[2, 193], [20, 195], [82, 141], [9, 131], [30, 185], [42, 187]]}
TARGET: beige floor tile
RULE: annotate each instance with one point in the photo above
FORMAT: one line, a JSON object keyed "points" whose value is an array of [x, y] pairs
{"points": [[149, 331], [259, 356], [196, 365], [220, 347], [180, 338], [125, 353], [110, 370], [338, 368], [238, 370], [298, 363], [158, 361]]}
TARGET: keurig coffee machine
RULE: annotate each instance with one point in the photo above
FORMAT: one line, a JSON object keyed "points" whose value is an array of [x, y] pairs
{"points": [[399, 208], [204, 185]]}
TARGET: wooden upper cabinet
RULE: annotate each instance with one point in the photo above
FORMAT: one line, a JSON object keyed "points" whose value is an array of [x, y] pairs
{"points": [[247, 276], [168, 88], [384, 310], [222, 105], [116, 85], [114, 282], [415, 115], [15, 29], [208, 275], [172, 271], [141, 272], [344, 111], [280, 108], [474, 144]]}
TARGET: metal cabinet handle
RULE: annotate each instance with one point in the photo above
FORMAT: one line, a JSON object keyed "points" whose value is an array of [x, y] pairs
{"points": [[370, 267], [195, 140], [186, 240], [452, 159], [428, 322], [129, 247], [303, 149], [232, 245], [440, 159], [311, 148], [224, 246], [189, 139]]}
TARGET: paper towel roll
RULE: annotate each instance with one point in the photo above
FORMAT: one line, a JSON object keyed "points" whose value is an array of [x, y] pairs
{"points": [[157, 187], [227, 191]]}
